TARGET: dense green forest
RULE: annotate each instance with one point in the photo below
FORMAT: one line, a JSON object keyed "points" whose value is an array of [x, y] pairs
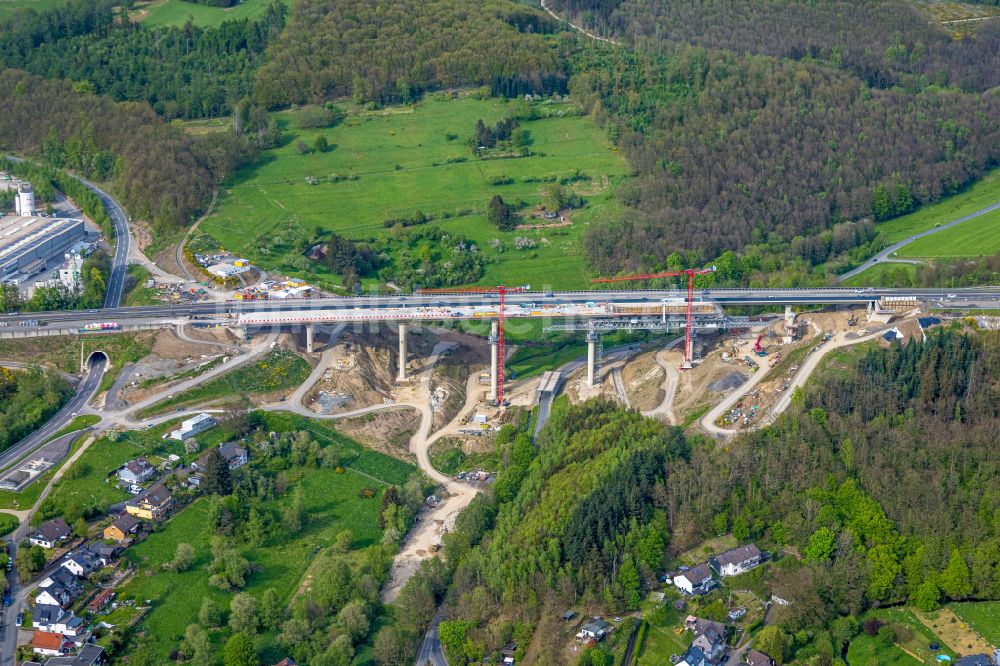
{"points": [[28, 399], [161, 173], [187, 72], [393, 51], [881, 477], [885, 44], [733, 150], [773, 130]]}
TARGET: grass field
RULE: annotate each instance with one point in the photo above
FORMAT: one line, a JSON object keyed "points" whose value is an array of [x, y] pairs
{"points": [[177, 12], [277, 370], [983, 616], [890, 274], [333, 504], [138, 294], [986, 191], [391, 163], [87, 484], [8, 7], [353, 455], [973, 238], [662, 640], [78, 423], [868, 650]]}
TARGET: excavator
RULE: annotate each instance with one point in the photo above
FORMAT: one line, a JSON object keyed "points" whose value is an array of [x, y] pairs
{"points": [[757, 349]]}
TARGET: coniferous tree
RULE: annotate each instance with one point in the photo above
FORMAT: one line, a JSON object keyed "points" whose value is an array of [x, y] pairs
{"points": [[217, 477]]}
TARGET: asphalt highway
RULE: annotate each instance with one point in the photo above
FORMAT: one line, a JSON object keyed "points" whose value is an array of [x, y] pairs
{"points": [[86, 391], [985, 296], [817, 296], [884, 254], [119, 263]]}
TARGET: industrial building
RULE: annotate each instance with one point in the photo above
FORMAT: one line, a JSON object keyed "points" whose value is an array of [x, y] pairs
{"points": [[24, 202], [193, 426], [28, 244]]}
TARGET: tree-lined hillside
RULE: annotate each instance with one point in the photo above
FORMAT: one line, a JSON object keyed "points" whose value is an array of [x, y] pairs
{"points": [[28, 399], [393, 51], [732, 150], [187, 72], [880, 484], [882, 43], [162, 174]]}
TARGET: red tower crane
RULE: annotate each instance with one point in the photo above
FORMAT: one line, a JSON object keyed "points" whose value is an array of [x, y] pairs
{"points": [[502, 290], [690, 272]]}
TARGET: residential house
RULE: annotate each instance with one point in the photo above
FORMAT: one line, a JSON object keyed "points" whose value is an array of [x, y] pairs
{"points": [[287, 661], [696, 580], [48, 643], [104, 553], [736, 561], [53, 619], [82, 563], [153, 505], [755, 658], [51, 533], [231, 452], [234, 454], [136, 472], [59, 589], [595, 630], [89, 655], [193, 426], [124, 527], [709, 636], [693, 657]]}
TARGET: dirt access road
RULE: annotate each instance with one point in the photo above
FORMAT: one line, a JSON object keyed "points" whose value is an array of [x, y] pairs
{"points": [[842, 339], [669, 386], [433, 521]]}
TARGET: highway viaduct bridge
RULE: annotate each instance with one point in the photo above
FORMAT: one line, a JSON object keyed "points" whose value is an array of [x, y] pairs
{"points": [[593, 312]]}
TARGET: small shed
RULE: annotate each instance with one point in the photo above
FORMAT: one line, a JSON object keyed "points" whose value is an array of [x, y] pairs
{"points": [[568, 615]]}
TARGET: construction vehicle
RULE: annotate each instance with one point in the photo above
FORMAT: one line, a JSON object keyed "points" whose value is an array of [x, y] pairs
{"points": [[690, 273], [757, 349], [853, 320]]}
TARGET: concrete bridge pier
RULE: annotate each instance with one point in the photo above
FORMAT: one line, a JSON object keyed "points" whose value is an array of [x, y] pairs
{"points": [[494, 342], [402, 353], [310, 338], [591, 357]]}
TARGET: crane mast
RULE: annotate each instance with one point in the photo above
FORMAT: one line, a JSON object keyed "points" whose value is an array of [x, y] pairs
{"points": [[690, 273], [502, 291]]}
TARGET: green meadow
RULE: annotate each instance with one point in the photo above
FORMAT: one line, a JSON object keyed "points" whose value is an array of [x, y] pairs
{"points": [[177, 12], [334, 502], [972, 238], [392, 163], [984, 192]]}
